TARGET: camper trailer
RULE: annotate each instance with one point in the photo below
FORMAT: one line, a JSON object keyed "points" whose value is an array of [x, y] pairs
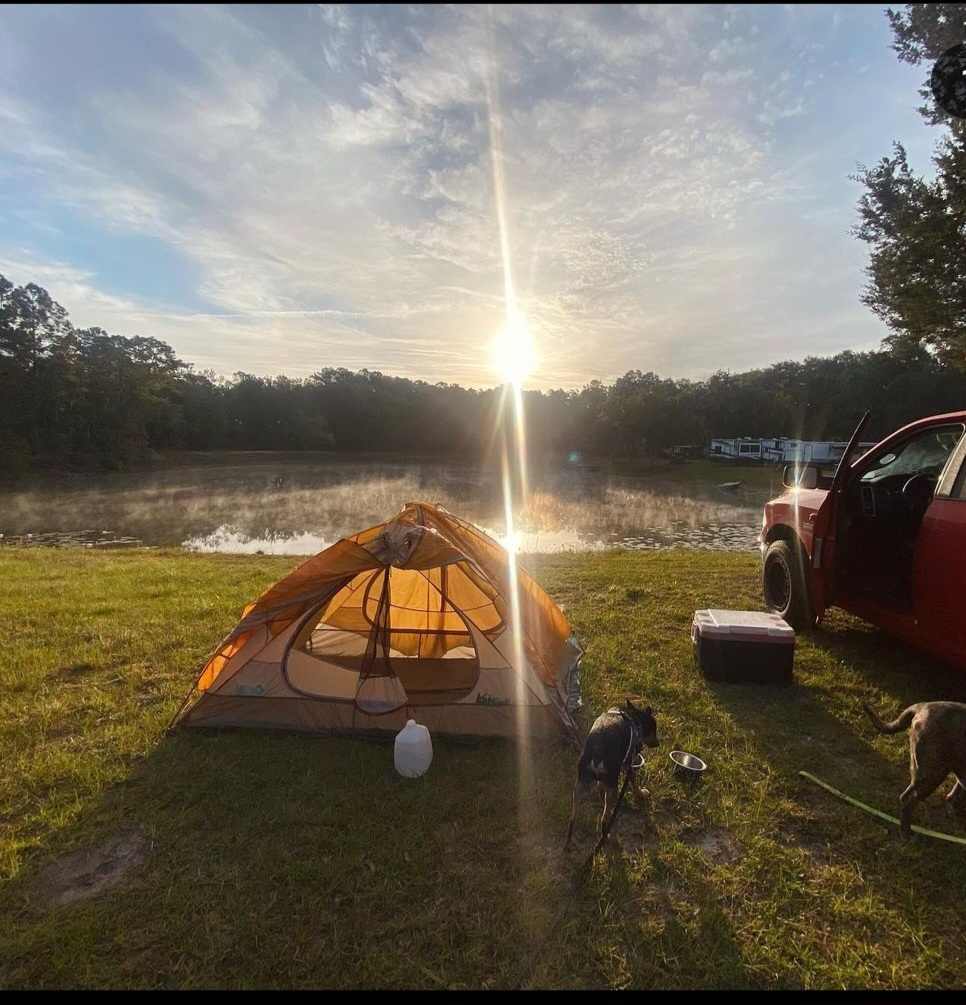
{"points": [[741, 448], [746, 448], [779, 450], [818, 451]]}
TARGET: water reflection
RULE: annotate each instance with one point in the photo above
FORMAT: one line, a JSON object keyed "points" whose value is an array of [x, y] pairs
{"points": [[232, 541], [281, 506], [713, 537]]}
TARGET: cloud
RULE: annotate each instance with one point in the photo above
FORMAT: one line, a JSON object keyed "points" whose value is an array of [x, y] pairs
{"points": [[327, 174], [74, 286]]}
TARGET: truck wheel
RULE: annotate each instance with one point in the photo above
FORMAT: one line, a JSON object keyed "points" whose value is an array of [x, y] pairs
{"points": [[784, 586]]}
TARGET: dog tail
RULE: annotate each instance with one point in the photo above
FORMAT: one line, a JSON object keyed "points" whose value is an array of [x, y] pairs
{"points": [[898, 726]]}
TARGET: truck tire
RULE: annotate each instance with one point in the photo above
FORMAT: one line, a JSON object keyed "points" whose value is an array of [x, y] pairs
{"points": [[784, 587]]}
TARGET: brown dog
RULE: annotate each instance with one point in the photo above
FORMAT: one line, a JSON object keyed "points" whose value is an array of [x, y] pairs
{"points": [[937, 746]]}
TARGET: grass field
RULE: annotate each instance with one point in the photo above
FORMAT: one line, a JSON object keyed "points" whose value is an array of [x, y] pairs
{"points": [[279, 860]]}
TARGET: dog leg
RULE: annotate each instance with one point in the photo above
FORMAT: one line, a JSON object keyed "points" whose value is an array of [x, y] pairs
{"points": [[643, 793], [610, 801], [919, 789], [581, 790], [956, 799], [906, 801]]}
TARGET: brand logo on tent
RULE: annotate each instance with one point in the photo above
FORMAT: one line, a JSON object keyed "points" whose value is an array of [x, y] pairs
{"points": [[491, 699], [250, 690]]}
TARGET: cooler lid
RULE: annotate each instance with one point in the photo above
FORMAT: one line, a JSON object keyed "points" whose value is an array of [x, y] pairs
{"points": [[743, 625]]}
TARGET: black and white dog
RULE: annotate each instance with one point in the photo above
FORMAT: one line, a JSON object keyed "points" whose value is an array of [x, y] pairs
{"points": [[614, 741]]}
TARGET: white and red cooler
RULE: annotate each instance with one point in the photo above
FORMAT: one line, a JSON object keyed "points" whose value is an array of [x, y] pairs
{"points": [[738, 646]]}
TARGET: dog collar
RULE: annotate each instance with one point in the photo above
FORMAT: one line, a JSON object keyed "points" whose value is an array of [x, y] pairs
{"points": [[634, 743]]}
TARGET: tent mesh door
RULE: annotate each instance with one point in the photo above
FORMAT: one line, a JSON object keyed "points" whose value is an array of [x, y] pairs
{"points": [[380, 690]]}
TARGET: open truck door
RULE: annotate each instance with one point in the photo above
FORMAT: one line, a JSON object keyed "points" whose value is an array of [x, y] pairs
{"points": [[940, 564], [822, 566]]}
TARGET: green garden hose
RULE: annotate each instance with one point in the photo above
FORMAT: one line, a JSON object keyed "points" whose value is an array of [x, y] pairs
{"points": [[879, 813]]}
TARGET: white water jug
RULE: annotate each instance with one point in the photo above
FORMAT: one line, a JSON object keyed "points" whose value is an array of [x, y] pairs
{"points": [[414, 750]]}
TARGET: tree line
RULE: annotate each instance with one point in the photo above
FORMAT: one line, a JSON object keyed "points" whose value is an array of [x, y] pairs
{"points": [[84, 398]]}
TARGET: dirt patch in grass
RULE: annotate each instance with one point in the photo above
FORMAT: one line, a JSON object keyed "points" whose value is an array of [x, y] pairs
{"points": [[73, 671], [90, 871], [810, 836], [59, 732], [717, 844], [636, 829]]}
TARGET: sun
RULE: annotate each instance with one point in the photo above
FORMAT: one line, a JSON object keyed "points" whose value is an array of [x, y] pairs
{"points": [[512, 352]]}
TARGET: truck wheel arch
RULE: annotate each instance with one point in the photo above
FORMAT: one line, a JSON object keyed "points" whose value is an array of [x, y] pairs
{"points": [[782, 532]]}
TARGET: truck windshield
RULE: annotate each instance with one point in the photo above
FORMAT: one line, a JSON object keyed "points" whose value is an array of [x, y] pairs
{"points": [[926, 451]]}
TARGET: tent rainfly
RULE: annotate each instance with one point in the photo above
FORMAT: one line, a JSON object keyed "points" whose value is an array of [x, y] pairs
{"points": [[411, 618]]}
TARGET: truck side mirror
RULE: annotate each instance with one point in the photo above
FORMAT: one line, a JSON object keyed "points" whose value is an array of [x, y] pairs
{"points": [[803, 478]]}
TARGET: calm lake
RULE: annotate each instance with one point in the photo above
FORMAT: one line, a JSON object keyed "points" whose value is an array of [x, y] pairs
{"points": [[298, 505]]}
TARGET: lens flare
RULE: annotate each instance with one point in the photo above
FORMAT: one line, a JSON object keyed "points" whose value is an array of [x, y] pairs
{"points": [[514, 358], [512, 353]]}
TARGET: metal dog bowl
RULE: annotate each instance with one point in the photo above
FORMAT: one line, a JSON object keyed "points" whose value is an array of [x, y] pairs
{"points": [[687, 765]]}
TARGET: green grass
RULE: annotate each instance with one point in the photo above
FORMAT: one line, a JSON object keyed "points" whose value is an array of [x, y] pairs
{"points": [[280, 860]]}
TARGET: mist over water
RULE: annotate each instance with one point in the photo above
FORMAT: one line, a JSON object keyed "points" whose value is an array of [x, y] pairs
{"points": [[277, 505]]}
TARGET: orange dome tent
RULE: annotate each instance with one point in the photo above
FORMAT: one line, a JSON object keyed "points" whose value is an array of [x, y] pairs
{"points": [[407, 619]]}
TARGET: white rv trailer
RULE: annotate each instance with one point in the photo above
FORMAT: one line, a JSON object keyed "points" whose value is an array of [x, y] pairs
{"points": [[779, 450], [746, 448], [819, 451]]}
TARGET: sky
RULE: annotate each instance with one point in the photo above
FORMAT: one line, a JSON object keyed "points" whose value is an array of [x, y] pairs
{"points": [[280, 189]]}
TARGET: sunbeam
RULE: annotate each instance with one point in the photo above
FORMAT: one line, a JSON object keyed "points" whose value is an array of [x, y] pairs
{"points": [[513, 358]]}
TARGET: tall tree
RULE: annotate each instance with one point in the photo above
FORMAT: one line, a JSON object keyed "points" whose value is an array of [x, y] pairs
{"points": [[922, 32], [916, 228]]}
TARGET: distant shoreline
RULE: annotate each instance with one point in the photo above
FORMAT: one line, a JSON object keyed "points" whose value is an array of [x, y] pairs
{"points": [[53, 475]]}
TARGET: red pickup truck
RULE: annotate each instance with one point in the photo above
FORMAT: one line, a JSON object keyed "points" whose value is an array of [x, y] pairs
{"points": [[882, 536]]}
